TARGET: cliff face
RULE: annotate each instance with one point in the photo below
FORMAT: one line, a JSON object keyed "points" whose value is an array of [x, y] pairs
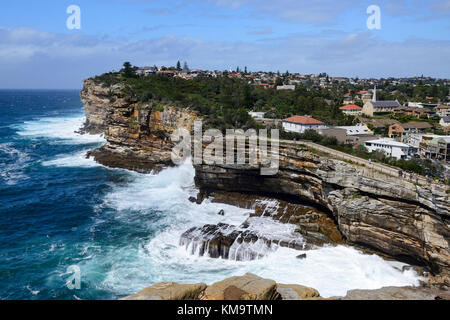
{"points": [[395, 217], [389, 215], [137, 135]]}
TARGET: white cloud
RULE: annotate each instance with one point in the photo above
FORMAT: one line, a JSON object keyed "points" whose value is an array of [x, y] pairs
{"points": [[33, 59]]}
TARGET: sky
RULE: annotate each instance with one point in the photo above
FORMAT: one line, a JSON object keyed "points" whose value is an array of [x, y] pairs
{"points": [[38, 51]]}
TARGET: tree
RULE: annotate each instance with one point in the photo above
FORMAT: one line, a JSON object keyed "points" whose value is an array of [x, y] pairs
{"points": [[279, 82], [185, 67], [128, 70], [178, 65], [245, 69]]}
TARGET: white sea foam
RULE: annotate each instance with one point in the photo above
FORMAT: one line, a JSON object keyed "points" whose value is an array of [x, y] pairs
{"points": [[61, 129], [331, 270], [11, 168], [77, 159]]}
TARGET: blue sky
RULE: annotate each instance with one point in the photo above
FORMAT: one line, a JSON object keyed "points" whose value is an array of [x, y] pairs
{"points": [[306, 36]]}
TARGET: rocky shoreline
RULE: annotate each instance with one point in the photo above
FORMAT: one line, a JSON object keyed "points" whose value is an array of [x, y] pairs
{"points": [[252, 287], [327, 200]]}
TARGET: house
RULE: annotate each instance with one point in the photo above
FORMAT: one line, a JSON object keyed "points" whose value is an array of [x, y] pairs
{"points": [[400, 129], [428, 147], [366, 97], [356, 130], [146, 71], [166, 73], [414, 111], [256, 115], [443, 111], [445, 121], [286, 87], [300, 124], [444, 149], [372, 107], [351, 110], [391, 148], [342, 136]]}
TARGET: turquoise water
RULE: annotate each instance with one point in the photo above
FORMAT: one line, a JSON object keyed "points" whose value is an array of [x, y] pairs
{"points": [[122, 229]]}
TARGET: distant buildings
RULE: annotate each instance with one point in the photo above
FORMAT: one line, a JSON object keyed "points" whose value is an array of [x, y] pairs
{"points": [[400, 129], [166, 73], [372, 107], [356, 130], [443, 111], [349, 134], [146, 71], [286, 87], [300, 124], [414, 111], [445, 121], [391, 148], [351, 109], [257, 115], [435, 147]]}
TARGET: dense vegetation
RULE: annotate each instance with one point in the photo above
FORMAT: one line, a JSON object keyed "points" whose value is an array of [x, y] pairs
{"points": [[226, 101]]}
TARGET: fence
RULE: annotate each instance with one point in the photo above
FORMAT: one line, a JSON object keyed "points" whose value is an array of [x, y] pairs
{"points": [[394, 174]]}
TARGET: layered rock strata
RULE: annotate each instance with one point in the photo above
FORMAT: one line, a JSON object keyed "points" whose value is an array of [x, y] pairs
{"points": [[371, 209]]}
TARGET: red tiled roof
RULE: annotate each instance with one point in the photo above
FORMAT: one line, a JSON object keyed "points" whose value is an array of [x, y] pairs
{"points": [[303, 120], [362, 92], [351, 107]]}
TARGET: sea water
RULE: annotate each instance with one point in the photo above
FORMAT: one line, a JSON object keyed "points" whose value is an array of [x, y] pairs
{"points": [[121, 228]]}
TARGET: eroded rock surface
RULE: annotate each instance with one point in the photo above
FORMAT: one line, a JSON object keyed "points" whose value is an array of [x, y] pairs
{"points": [[137, 134], [169, 291], [247, 287], [371, 209]]}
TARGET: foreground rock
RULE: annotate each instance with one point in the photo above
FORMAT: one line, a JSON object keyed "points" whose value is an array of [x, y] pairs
{"points": [[253, 287], [297, 292], [169, 291], [397, 293], [247, 287]]}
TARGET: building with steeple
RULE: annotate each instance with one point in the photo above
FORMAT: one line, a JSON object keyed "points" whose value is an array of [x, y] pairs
{"points": [[372, 107]]}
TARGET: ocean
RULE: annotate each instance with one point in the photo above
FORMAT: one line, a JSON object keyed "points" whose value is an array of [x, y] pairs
{"points": [[121, 228]]}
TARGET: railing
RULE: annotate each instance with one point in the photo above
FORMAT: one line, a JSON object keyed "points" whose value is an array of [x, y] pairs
{"points": [[393, 173]]}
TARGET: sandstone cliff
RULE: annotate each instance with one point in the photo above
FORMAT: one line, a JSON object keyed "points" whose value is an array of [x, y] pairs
{"points": [[395, 217], [137, 134]]}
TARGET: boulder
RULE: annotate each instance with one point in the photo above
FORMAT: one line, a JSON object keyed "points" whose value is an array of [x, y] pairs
{"points": [[247, 287], [169, 291], [398, 293], [297, 292], [193, 199]]}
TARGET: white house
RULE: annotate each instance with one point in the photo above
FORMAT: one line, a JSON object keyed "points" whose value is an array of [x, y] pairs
{"points": [[286, 87], [390, 147], [356, 130], [300, 124], [443, 111], [445, 121], [256, 115], [351, 109]]}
